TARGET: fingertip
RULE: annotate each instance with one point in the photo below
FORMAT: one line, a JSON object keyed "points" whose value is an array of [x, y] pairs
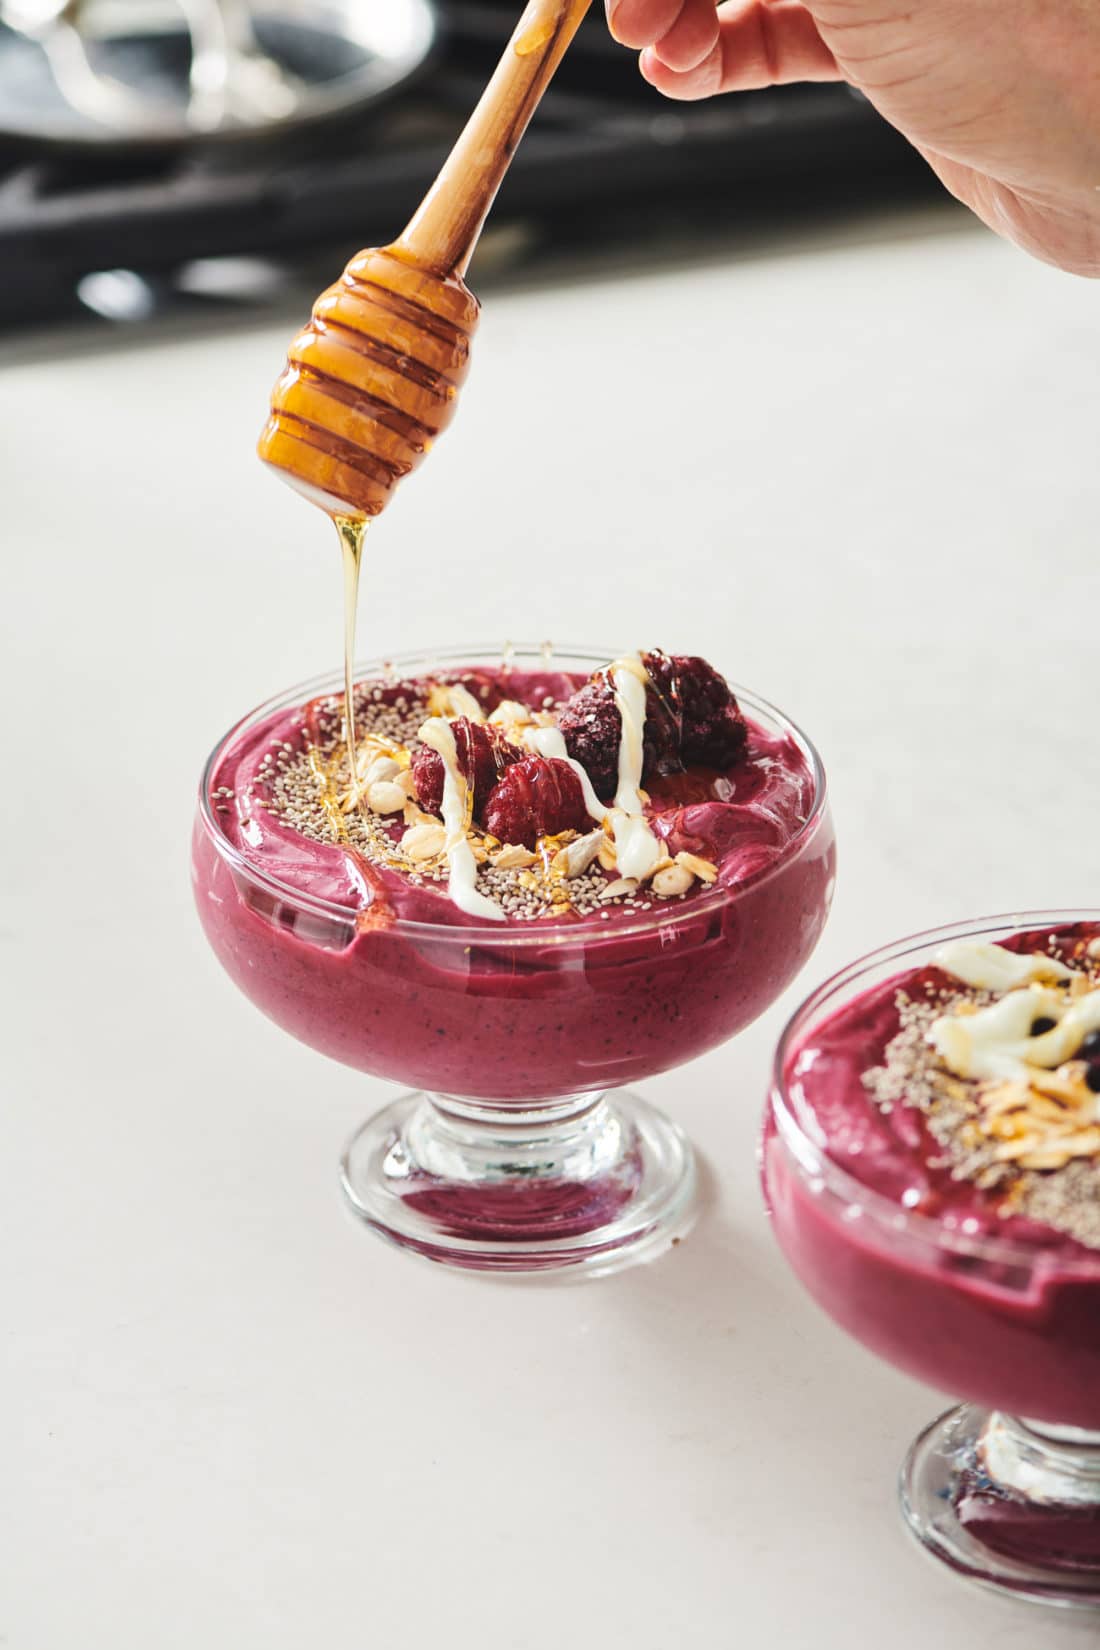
{"points": [[638, 23], [691, 38], [700, 81]]}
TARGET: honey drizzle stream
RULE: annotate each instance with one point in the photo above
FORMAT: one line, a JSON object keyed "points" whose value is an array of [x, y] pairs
{"points": [[352, 531]]}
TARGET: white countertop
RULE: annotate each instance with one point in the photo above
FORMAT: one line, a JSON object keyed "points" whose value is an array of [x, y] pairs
{"points": [[858, 472]]}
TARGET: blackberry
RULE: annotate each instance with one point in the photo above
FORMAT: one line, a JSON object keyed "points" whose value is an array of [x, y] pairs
{"points": [[691, 717], [713, 730], [591, 727]]}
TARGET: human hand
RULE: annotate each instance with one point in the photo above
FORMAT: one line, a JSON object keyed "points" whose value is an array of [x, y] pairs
{"points": [[1001, 97]]}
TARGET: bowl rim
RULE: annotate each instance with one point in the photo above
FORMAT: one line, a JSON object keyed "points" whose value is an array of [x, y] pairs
{"points": [[809, 1154], [546, 930]]}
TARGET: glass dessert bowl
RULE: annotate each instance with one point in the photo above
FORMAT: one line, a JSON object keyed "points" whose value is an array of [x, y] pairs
{"points": [[931, 1163], [516, 1026]]}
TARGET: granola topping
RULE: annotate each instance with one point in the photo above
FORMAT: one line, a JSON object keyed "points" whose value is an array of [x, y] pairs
{"points": [[1003, 1063], [376, 812]]}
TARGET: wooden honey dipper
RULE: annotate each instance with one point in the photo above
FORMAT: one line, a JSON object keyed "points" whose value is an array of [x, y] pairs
{"points": [[374, 377]]}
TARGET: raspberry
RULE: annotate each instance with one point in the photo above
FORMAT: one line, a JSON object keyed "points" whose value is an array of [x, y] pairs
{"points": [[539, 796], [483, 755]]}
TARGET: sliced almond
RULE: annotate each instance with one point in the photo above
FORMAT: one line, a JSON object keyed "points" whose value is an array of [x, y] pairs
{"points": [[451, 699], [510, 714], [1048, 1158], [1014, 1125], [606, 855], [374, 749], [512, 857], [673, 880], [662, 864], [422, 842], [1005, 1097], [622, 889], [575, 858], [701, 868], [1084, 1143], [386, 798], [415, 815], [1011, 1151], [1051, 1111], [383, 767], [1067, 1084]]}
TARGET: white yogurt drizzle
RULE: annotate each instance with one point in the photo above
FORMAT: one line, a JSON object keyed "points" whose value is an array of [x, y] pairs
{"points": [[996, 1041], [461, 885], [637, 850], [990, 967]]}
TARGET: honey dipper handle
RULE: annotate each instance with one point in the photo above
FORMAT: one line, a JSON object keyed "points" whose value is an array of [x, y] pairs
{"points": [[444, 231]]}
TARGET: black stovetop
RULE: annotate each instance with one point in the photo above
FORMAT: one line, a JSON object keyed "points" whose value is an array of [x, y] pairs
{"points": [[604, 156]]}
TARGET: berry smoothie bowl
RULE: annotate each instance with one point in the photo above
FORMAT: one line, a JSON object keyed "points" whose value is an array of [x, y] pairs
{"points": [[547, 876], [931, 1162]]}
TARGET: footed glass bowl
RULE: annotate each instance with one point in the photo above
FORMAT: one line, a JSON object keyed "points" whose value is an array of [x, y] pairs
{"points": [[518, 1149], [1005, 1488]]}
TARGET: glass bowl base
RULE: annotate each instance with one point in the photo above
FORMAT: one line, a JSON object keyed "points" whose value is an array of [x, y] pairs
{"points": [[1010, 1504], [594, 1184]]}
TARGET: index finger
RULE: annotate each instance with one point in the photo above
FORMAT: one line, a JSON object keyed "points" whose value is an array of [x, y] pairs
{"points": [[640, 23]]}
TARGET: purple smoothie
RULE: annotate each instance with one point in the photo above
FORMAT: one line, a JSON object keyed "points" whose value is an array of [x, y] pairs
{"points": [[393, 979], [924, 1269]]}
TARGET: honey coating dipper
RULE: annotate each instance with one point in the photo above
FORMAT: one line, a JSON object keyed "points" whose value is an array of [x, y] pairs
{"points": [[373, 379]]}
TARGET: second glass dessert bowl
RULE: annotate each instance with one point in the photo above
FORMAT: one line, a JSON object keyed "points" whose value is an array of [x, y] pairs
{"points": [[954, 1277], [518, 1149]]}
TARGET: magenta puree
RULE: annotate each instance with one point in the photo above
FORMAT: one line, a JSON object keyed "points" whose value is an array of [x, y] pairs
{"points": [[1020, 1333], [408, 988]]}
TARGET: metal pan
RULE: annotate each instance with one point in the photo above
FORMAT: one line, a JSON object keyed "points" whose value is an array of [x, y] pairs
{"points": [[111, 73]]}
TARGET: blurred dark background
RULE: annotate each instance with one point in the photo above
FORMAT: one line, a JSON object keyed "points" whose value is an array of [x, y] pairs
{"points": [[136, 228]]}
